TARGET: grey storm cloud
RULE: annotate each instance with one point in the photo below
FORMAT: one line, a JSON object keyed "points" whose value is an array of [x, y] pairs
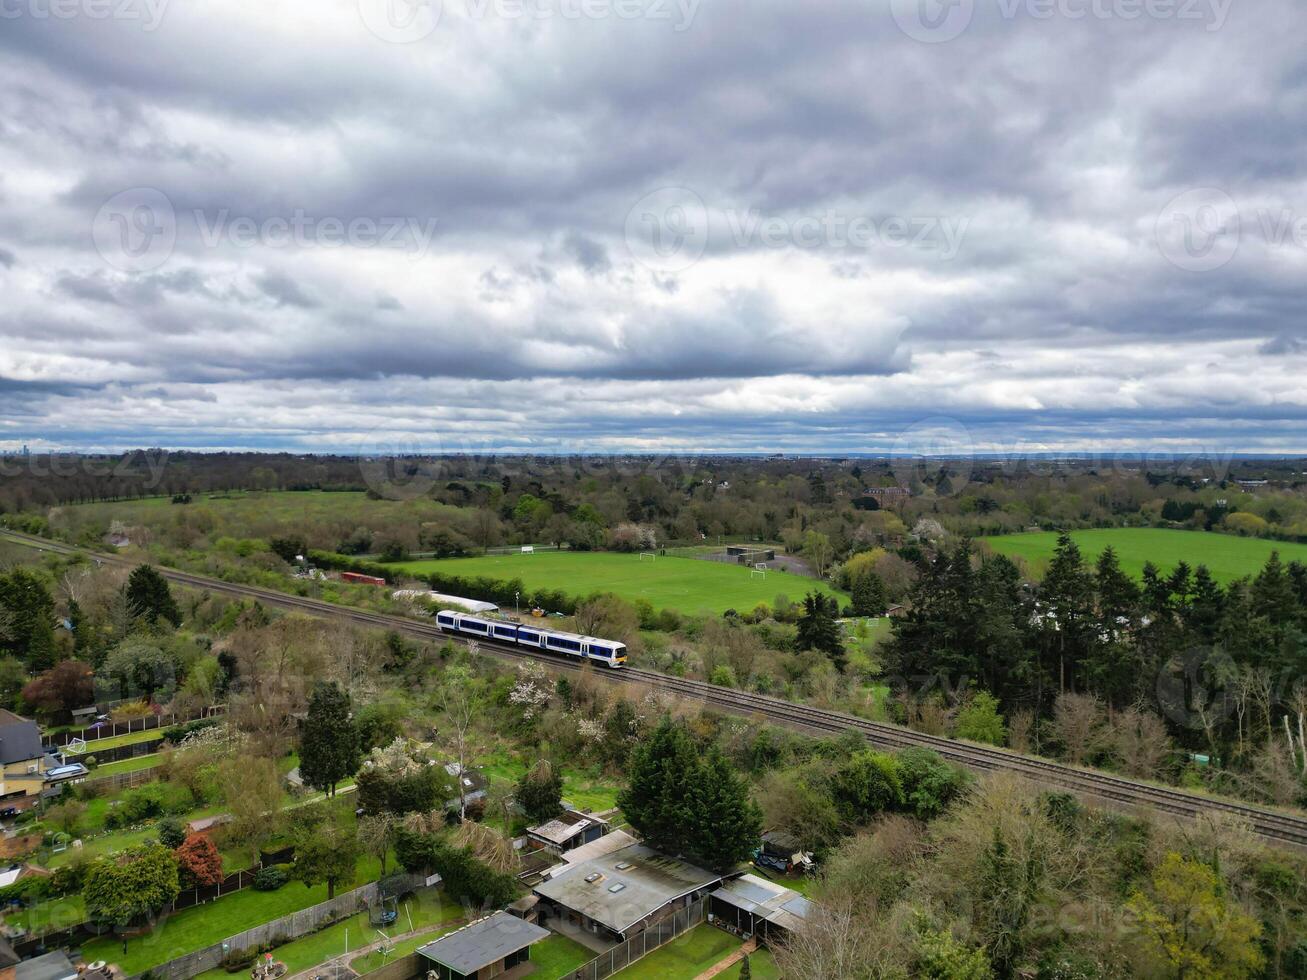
{"points": [[854, 229]]}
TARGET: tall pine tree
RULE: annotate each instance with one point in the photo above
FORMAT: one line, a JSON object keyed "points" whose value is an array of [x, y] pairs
{"points": [[329, 739], [689, 803], [149, 598]]}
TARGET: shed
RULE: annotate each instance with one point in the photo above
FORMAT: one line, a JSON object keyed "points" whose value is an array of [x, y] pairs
{"points": [[753, 906], [489, 947], [568, 830]]}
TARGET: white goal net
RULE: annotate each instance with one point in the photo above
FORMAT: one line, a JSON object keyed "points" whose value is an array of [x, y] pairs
{"points": [[648, 555]]}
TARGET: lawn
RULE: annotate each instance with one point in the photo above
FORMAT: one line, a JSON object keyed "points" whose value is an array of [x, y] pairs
{"points": [[114, 741], [207, 924], [558, 956], [584, 790], [761, 967], [428, 910], [1226, 556], [685, 957], [128, 765], [684, 584]]}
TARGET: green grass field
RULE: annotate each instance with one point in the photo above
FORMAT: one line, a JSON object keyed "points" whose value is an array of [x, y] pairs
{"points": [[684, 584], [1227, 557], [685, 957], [557, 957]]}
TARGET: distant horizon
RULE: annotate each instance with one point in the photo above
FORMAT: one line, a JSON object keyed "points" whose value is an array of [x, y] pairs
{"points": [[1079, 455]]}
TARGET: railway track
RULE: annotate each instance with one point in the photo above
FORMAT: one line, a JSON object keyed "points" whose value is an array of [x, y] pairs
{"points": [[1279, 828]]}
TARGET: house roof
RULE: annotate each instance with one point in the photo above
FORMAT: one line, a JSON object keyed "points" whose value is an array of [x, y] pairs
{"points": [[483, 942], [622, 887], [51, 966], [614, 840], [565, 826], [782, 906], [20, 739]]}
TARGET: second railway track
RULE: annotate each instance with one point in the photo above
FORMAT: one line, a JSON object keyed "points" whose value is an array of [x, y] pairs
{"points": [[1280, 828]]}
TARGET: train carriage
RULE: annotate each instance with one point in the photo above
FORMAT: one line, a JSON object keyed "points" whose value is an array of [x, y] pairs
{"points": [[608, 652]]}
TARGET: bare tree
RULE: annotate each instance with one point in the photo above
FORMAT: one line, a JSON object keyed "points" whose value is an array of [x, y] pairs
{"points": [[835, 942], [1021, 731], [376, 832], [460, 703], [1140, 742], [1077, 722]]}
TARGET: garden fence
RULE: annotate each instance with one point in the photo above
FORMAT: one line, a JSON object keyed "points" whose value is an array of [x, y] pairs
{"points": [[624, 954], [118, 753], [120, 780], [110, 729], [288, 927]]}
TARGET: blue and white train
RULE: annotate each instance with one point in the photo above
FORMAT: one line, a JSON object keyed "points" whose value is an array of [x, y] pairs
{"points": [[607, 652]]}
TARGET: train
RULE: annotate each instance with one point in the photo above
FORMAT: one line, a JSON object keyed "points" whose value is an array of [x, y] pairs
{"points": [[610, 653]]}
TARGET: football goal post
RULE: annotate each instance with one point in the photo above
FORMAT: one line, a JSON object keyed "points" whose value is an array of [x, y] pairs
{"points": [[759, 570], [649, 555]]}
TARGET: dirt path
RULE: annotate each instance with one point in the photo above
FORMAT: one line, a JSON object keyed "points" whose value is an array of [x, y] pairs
{"points": [[729, 961]]}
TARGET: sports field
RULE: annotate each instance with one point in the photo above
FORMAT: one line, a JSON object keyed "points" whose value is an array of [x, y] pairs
{"points": [[1227, 557], [684, 584]]}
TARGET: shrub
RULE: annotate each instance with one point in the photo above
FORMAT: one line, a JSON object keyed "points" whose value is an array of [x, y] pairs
{"points": [[171, 833], [270, 879], [867, 784], [929, 783]]}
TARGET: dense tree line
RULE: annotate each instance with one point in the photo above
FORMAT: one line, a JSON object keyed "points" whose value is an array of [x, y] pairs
{"points": [[1222, 665]]}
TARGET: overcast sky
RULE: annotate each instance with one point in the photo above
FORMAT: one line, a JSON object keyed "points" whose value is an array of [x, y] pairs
{"points": [[653, 224]]}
